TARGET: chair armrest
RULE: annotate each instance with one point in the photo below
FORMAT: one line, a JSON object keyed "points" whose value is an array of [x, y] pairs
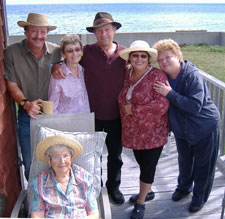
{"points": [[104, 205], [103, 202], [17, 207]]}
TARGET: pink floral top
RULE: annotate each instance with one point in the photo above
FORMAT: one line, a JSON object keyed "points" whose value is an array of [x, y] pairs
{"points": [[147, 127]]}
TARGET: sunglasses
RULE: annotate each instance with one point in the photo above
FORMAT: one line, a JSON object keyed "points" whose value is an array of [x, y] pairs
{"points": [[73, 50], [137, 56]]}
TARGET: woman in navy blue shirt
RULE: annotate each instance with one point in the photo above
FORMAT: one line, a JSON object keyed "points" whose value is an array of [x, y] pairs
{"points": [[194, 120]]}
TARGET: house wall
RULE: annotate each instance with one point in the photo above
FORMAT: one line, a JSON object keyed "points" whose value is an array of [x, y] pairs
{"points": [[9, 174]]}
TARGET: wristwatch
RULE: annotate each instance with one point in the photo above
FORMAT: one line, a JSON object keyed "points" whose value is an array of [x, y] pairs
{"points": [[23, 102]]}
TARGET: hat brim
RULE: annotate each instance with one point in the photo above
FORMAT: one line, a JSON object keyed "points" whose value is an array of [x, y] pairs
{"points": [[48, 142], [124, 54], [23, 24], [92, 29]]}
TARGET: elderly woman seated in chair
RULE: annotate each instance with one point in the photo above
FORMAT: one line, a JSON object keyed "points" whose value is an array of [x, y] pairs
{"points": [[64, 190]]}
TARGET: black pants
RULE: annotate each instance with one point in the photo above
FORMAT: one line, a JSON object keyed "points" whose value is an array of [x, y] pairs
{"points": [[147, 160], [114, 147], [197, 165]]}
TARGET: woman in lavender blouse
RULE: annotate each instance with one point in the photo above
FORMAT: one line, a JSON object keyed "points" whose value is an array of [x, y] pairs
{"points": [[69, 94]]}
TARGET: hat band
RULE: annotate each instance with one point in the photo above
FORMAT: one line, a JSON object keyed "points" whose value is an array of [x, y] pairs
{"points": [[101, 21], [38, 23]]}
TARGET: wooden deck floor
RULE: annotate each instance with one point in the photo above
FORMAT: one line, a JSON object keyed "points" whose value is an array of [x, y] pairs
{"points": [[162, 207]]}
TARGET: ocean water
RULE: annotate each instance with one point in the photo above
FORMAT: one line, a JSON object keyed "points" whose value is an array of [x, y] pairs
{"points": [[135, 17]]}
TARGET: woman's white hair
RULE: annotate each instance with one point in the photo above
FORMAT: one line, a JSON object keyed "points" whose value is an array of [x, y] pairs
{"points": [[49, 151]]}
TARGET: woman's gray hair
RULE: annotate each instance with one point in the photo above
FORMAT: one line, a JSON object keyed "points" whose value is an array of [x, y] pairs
{"points": [[49, 151], [70, 39]]}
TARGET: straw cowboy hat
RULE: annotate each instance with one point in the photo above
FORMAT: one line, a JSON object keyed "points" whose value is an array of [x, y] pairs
{"points": [[101, 19], [139, 45], [48, 142], [35, 19]]}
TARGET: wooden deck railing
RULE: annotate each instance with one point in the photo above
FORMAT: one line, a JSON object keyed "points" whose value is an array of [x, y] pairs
{"points": [[217, 90]]}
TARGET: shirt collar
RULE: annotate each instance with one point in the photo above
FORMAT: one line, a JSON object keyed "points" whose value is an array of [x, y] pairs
{"points": [[51, 180], [100, 49], [67, 70]]}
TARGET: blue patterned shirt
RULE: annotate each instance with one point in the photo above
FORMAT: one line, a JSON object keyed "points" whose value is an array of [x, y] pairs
{"points": [[45, 194]]}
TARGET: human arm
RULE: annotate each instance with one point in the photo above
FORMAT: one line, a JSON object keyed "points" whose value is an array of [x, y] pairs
{"points": [[92, 206], [146, 100], [37, 214], [32, 107], [36, 204], [93, 215], [157, 107], [162, 88], [190, 97], [57, 72], [127, 109], [54, 93]]}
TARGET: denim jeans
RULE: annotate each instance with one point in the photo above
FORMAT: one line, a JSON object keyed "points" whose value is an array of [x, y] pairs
{"points": [[24, 139]]}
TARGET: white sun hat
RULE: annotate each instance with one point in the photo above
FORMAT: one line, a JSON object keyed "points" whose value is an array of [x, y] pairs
{"points": [[139, 45]]}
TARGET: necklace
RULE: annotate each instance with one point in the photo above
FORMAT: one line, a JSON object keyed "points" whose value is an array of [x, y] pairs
{"points": [[132, 86]]}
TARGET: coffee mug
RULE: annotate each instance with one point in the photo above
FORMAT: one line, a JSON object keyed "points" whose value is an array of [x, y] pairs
{"points": [[46, 107]]}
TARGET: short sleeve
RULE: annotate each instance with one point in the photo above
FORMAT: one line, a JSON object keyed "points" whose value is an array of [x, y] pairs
{"points": [[91, 200], [9, 65], [36, 204]]}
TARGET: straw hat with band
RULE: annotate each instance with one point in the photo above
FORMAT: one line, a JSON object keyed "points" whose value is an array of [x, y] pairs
{"points": [[48, 142], [35, 19], [139, 45], [101, 19]]}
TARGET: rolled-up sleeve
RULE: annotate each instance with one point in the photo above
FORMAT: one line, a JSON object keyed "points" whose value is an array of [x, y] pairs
{"points": [[36, 204], [9, 65], [91, 203]]}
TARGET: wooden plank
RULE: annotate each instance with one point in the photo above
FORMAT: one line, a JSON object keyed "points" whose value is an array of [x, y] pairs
{"points": [[162, 207]]}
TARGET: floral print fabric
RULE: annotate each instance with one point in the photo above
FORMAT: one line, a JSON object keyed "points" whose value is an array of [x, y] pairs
{"points": [[147, 127]]}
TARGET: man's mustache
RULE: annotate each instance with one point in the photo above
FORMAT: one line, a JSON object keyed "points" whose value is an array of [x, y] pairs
{"points": [[41, 39]]}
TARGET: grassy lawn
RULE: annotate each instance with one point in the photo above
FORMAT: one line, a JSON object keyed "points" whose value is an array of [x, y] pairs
{"points": [[210, 59]]}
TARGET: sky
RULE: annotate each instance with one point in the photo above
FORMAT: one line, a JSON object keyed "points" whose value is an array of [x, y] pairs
{"points": [[8, 2]]}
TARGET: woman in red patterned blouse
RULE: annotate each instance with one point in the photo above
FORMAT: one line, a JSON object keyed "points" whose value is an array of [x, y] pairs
{"points": [[144, 117]]}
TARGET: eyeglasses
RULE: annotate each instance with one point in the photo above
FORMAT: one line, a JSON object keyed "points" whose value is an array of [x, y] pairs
{"points": [[57, 158], [73, 50], [166, 59], [137, 56]]}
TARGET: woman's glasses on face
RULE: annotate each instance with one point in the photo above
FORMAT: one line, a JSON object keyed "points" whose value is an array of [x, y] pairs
{"points": [[73, 50], [57, 158], [166, 59], [143, 56]]}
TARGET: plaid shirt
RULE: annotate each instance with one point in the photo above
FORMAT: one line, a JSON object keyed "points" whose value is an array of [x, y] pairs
{"points": [[45, 194]]}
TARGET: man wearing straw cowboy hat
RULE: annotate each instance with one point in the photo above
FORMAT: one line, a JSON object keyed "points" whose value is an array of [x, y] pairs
{"points": [[27, 71], [104, 74]]}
